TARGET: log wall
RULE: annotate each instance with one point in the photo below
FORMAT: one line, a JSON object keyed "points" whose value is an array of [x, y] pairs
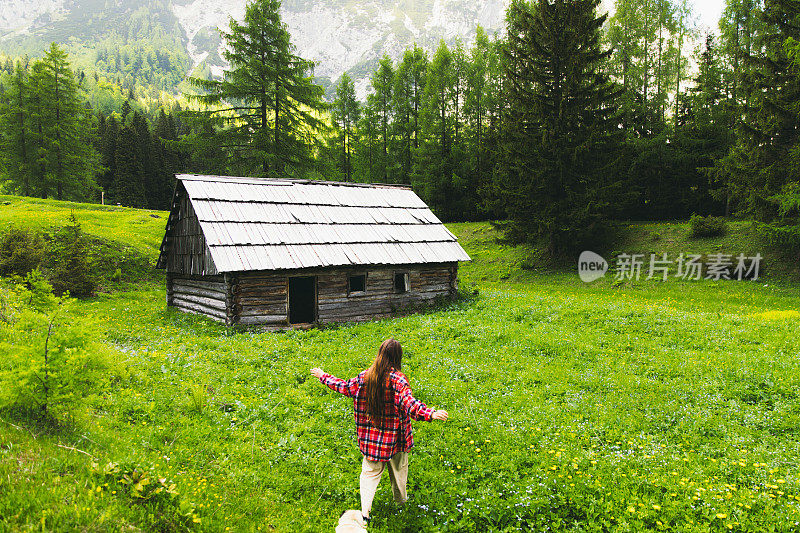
{"points": [[262, 297], [206, 295]]}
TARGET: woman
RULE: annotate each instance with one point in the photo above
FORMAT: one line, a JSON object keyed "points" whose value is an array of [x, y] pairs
{"points": [[384, 407]]}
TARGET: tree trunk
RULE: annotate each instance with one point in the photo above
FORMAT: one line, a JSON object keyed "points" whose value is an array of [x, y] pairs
{"points": [[59, 155]]}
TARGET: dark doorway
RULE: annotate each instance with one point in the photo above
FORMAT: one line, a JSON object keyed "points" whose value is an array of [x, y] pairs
{"points": [[302, 300], [401, 282]]}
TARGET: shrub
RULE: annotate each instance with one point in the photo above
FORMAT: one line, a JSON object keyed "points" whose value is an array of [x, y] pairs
{"points": [[48, 363], [71, 259], [784, 232], [70, 262], [21, 251], [709, 226]]}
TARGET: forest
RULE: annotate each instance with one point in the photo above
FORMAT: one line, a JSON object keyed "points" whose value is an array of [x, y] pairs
{"points": [[570, 119]]}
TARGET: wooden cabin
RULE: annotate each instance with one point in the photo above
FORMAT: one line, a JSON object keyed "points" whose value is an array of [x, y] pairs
{"points": [[284, 252]]}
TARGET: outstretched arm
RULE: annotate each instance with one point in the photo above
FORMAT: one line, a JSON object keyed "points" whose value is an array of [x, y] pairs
{"points": [[415, 408], [348, 387]]}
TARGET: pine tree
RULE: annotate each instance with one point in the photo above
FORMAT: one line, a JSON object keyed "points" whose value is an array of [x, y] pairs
{"points": [[561, 127], [766, 158], [69, 155], [16, 139], [346, 112], [433, 165], [265, 108], [129, 179], [382, 85]]}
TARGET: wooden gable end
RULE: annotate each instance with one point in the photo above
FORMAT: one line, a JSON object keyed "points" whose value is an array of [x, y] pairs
{"points": [[185, 250]]}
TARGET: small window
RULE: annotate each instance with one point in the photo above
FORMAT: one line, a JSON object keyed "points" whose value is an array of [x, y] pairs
{"points": [[357, 283], [401, 282]]}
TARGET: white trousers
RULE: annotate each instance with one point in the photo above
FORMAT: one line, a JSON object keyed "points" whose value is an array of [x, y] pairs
{"points": [[371, 475]]}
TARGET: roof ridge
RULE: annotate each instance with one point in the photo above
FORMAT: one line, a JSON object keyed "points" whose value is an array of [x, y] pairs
{"points": [[285, 181]]}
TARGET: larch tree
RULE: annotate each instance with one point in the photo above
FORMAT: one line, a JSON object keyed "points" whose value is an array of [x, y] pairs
{"points": [[265, 110], [346, 112], [433, 165], [403, 125], [66, 161], [383, 85], [17, 148]]}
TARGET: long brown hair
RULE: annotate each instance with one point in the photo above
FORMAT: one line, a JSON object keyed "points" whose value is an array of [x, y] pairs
{"points": [[376, 379]]}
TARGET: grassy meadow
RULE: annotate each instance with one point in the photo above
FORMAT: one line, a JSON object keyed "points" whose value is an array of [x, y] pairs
{"points": [[573, 407]]}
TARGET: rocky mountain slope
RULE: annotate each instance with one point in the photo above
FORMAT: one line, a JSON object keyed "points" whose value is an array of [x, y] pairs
{"points": [[340, 35]]}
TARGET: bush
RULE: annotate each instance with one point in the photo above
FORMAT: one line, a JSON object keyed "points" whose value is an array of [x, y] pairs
{"points": [[707, 226], [784, 233], [70, 262], [785, 238], [70, 259], [21, 251]]}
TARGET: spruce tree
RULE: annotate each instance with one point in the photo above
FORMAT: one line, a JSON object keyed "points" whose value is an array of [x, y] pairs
{"points": [[265, 110], [128, 188], [561, 128]]}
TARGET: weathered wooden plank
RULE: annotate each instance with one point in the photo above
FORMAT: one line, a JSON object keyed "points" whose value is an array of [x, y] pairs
{"points": [[262, 302], [382, 296], [258, 302], [194, 291], [277, 281], [263, 311], [263, 319], [201, 285], [207, 303], [198, 308], [344, 309]]}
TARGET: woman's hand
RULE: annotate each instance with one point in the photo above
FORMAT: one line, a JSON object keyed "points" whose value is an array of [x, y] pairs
{"points": [[439, 415], [317, 373]]}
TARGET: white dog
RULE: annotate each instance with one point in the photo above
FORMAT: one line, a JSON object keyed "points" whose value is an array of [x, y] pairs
{"points": [[351, 522]]}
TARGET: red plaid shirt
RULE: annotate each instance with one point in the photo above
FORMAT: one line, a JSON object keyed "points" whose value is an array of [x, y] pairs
{"points": [[381, 444]]}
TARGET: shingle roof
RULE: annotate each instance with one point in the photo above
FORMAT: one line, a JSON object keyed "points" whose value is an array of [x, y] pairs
{"points": [[282, 224]]}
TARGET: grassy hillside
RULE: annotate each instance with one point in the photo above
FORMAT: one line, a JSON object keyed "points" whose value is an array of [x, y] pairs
{"points": [[574, 407], [139, 228]]}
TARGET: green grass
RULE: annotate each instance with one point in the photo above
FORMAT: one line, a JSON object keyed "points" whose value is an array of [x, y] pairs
{"points": [[574, 407], [141, 229]]}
